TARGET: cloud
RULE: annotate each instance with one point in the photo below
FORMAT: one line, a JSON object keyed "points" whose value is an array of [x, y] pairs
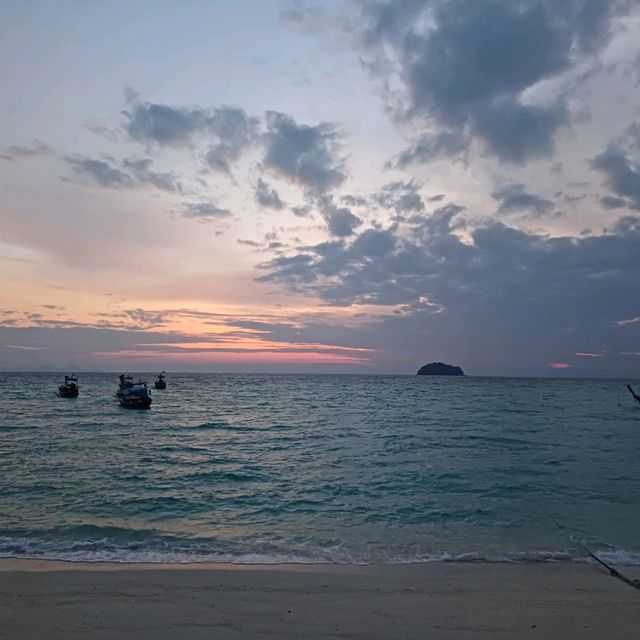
{"points": [[613, 202], [100, 172], [235, 132], [249, 243], [205, 211], [20, 152], [517, 132], [141, 171], [134, 173], [620, 163], [229, 131], [302, 154], [431, 146], [266, 196], [496, 294], [160, 124], [340, 221], [514, 198], [402, 197], [145, 319], [354, 201], [301, 211], [374, 243], [466, 66]]}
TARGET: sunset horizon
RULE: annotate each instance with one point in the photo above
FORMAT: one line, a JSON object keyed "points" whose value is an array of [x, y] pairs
{"points": [[330, 204], [319, 319], [287, 183]]}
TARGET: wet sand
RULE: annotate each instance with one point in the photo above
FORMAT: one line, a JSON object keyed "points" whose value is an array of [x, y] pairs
{"points": [[56, 600]]}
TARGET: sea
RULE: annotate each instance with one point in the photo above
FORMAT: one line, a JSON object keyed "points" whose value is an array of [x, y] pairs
{"points": [[352, 469]]}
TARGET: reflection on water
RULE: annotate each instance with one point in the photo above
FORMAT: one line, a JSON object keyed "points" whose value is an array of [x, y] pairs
{"points": [[319, 468]]}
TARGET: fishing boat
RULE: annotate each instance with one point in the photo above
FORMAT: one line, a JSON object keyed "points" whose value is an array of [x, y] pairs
{"points": [[133, 395], [70, 387], [160, 383]]}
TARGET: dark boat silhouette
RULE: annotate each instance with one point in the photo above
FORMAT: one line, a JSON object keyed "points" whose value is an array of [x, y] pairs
{"points": [[70, 387], [133, 395], [160, 383]]}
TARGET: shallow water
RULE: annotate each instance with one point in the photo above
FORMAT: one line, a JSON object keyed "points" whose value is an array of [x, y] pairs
{"points": [[274, 468]]}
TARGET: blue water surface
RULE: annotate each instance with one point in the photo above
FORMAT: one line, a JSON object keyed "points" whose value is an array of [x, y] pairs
{"points": [[320, 468]]}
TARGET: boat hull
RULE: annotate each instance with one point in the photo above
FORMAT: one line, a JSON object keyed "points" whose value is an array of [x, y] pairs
{"points": [[134, 401], [159, 385], [68, 392]]}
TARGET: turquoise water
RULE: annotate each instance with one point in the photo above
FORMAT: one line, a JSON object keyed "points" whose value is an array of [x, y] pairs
{"points": [[350, 469]]}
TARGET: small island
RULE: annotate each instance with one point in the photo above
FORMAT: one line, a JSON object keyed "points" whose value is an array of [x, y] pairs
{"points": [[440, 369]]}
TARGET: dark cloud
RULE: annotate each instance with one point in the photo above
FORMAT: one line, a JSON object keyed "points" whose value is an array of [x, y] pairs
{"points": [[620, 163], [141, 171], [228, 131], [401, 197], [466, 65], [100, 171], [522, 295], [164, 125], [341, 221], [612, 202], [514, 198], [305, 155], [266, 196], [301, 212], [354, 201], [428, 147], [205, 211], [516, 132], [19, 152], [434, 263], [134, 173], [235, 132], [308, 156], [374, 243]]}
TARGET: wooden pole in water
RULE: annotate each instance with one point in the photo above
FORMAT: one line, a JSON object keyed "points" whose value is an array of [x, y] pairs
{"points": [[614, 572], [634, 394]]}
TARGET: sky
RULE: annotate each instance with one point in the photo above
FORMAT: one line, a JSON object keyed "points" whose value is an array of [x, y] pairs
{"points": [[334, 187]]}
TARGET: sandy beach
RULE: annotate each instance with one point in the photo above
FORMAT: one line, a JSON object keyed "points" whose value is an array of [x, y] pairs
{"points": [[55, 600]]}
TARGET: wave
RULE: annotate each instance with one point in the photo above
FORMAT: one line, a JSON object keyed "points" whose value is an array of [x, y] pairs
{"points": [[87, 543], [226, 426]]}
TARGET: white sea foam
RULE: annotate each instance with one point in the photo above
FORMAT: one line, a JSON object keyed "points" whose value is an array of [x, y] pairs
{"points": [[103, 550]]}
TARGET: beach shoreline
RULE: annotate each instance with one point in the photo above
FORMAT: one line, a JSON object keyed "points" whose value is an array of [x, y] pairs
{"points": [[56, 599]]}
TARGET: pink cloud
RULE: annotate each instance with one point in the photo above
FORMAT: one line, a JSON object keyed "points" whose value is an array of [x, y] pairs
{"points": [[233, 356], [559, 365]]}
